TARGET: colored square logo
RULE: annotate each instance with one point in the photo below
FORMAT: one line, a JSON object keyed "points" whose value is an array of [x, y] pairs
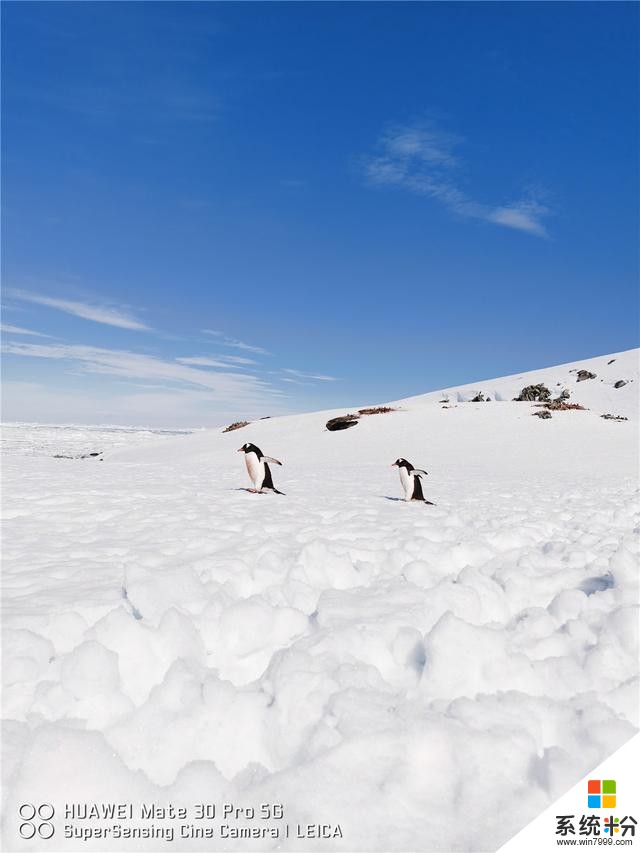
{"points": [[601, 793]]}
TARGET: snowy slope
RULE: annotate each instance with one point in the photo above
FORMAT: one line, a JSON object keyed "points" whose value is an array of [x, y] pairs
{"points": [[598, 393], [427, 678]]}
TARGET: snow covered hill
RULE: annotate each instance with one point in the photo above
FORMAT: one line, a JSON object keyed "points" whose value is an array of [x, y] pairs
{"points": [[422, 678], [597, 393]]}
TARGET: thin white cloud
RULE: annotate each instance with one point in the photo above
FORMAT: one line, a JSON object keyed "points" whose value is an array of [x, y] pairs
{"points": [[233, 342], [18, 330], [97, 313], [421, 159], [205, 361], [302, 375], [238, 359], [428, 143], [294, 381], [525, 215], [227, 387]]}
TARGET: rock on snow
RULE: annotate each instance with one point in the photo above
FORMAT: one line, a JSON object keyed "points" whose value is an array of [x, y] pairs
{"points": [[431, 678]]}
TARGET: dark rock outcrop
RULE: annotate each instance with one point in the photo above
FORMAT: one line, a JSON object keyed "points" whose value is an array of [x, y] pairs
{"points": [[341, 422], [562, 406], [376, 410], [585, 374], [82, 456], [619, 384], [479, 398], [534, 392], [236, 425], [543, 413]]}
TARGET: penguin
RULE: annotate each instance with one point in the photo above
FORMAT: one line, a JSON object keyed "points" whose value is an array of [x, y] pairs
{"points": [[258, 469], [410, 479]]}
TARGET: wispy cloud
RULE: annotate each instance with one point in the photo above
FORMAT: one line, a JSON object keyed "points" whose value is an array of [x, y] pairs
{"points": [[206, 361], [238, 359], [236, 387], [422, 159], [524, 215], [294, 381], [18, 330], [105, 314], [300, 374], [225, 341]]}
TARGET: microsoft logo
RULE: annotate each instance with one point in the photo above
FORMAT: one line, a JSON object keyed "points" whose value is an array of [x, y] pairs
{"points": [[601, 794]]}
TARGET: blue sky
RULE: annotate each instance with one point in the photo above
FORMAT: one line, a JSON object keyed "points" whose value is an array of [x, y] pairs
{"points": [[223, 210]]}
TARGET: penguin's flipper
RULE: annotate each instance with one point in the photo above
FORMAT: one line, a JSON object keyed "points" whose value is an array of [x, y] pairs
{"points": [[419, 471], [271, 459]]}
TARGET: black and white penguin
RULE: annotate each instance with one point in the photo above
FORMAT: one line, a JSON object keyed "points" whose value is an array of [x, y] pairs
{"points": [[410, 479], [258, 469]]}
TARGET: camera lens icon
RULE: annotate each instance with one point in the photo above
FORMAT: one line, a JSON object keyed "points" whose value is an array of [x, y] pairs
{"points": [[27, 830], [36, 820], [27, 811], [46, 830]]}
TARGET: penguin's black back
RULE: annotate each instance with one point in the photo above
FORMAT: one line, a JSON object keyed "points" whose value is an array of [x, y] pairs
{"points": [[267, 483], [418, 494]]}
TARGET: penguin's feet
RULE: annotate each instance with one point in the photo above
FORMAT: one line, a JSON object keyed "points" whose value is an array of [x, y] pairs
{"points": [[254, 491]]}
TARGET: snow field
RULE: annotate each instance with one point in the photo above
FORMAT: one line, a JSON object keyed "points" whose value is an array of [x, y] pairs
{"points": [[430, 678]]}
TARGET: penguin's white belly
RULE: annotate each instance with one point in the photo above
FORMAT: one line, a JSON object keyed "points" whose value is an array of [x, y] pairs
{"points": [[255, 467], [407, 483]]}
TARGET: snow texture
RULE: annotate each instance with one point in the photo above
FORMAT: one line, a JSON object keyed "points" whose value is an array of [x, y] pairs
{"points": [[428, 677]]}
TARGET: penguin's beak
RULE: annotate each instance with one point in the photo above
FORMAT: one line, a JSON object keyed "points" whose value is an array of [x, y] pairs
{"points": [[393, 465], [240, 450]]}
